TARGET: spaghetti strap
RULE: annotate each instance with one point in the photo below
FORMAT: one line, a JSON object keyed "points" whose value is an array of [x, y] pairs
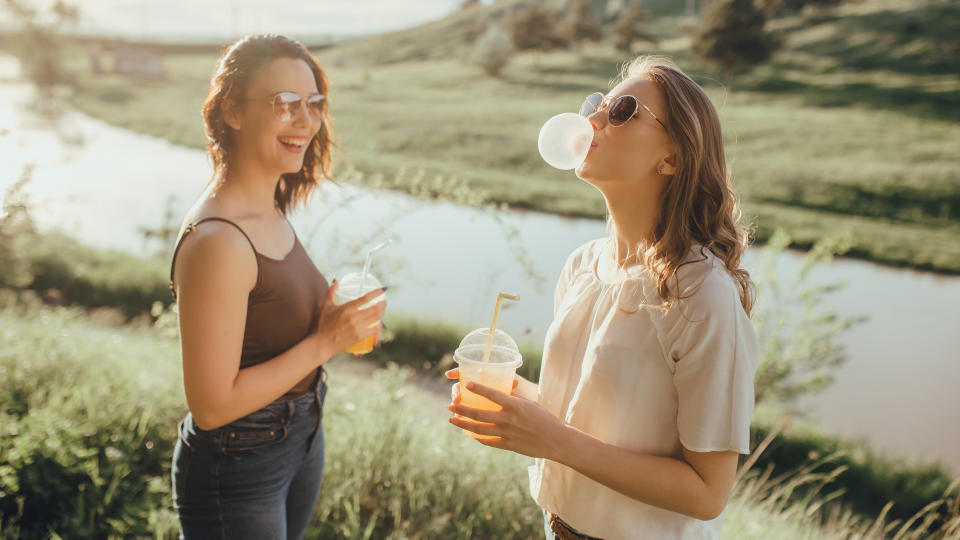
{"points": [[190, 228]]}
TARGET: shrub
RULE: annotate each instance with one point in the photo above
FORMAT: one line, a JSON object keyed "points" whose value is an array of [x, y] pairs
{"points": [[493, 51], [733, 38]]}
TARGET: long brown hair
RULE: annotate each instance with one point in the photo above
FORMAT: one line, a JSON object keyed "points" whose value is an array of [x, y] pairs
{"points": [[698, 204], [230, 79]]}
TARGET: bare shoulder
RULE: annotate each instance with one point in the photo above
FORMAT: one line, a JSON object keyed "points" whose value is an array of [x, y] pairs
{"points": [[201, 209], [214, 251]]}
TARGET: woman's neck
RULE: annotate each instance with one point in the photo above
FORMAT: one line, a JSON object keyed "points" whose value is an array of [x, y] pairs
{"points": [[246, 190], [635, 218]]}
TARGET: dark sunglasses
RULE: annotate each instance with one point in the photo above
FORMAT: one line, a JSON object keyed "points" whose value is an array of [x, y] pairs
{"points": [[286, 105], [619, 112]]}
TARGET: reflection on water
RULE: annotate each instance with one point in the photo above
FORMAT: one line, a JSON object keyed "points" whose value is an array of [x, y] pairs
{"points": [[449, 262]]}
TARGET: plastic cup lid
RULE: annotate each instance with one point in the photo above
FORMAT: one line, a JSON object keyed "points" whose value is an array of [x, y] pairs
{"points": [[500, 357], [480, 335], [348, 285]]}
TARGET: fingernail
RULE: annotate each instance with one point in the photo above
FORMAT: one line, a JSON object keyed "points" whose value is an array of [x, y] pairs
{"points": [[384, 289], [471, 385]]}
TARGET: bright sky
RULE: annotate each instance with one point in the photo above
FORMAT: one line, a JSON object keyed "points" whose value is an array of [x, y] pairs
{"points": [[205, 19]]}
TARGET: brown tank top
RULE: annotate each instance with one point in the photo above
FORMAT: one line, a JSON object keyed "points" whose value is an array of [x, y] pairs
{"points": [[282, 308]]}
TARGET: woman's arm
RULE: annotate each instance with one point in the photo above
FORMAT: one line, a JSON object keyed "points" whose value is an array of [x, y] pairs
{"points": [[697, 485], [216, 270]]}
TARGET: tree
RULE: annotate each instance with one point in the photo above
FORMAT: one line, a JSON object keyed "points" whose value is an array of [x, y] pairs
{"points": [[533, 28], [17, 232], [38, 41], [493, 51], [629, 27], [580, 25], [732, 37]]}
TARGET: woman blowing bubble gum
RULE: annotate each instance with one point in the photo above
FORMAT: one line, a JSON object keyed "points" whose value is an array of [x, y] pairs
{"points": [[646, 387]]}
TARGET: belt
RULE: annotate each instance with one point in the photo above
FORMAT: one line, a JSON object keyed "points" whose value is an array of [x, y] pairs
{"points": [[563, 531]]}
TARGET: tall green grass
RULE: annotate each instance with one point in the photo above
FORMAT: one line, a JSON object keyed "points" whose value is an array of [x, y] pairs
{"points": [[89, 417], [88, 422], [398, 469], [86, 414]]}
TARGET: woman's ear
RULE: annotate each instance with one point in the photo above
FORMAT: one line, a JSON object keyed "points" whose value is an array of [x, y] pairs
{"points": [[667, 165], [231, 113]]}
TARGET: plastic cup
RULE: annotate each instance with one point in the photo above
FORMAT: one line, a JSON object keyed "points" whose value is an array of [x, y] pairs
{"points": [[499, 371], [349, 289]]}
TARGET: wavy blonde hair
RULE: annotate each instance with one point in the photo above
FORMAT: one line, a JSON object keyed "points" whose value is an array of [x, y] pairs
{"points": [[698, 204]]}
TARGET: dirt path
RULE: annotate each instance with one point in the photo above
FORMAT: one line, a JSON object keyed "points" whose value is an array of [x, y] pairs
{"points": [[433, 388]]}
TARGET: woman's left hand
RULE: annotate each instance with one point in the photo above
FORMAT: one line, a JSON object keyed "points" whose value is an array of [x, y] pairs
{"points": [[523, 426]]}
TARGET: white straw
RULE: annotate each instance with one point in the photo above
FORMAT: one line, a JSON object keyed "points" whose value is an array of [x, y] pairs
{"points": [[366, 263], [493, 324]]}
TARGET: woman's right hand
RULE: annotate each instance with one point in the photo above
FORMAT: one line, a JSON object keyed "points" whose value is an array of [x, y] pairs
{"points": [[340, 327]]}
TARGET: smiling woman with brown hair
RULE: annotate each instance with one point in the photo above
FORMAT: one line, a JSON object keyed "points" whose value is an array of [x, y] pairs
{"points": [[257, 321], [646, 388]]}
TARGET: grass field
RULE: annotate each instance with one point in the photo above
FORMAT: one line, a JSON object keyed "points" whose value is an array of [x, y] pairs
{"points": [[854, 125]]}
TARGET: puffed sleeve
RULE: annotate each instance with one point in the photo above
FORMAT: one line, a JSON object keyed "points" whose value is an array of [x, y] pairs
{"points": [[715, 353]]}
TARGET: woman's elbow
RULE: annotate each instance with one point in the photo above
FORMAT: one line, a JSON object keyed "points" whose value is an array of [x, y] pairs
{"points": [[710, 508], [206, 420], [207, 416]]}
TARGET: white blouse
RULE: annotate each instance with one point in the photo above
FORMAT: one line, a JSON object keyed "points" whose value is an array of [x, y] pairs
{"points": [[626, 371]]}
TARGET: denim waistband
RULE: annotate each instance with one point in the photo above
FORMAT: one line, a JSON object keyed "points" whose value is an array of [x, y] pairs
{"points": [[303, 403], [274, 419]]}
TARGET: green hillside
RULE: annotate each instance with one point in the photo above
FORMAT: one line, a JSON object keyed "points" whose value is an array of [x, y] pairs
{"points": [[854, 125]]}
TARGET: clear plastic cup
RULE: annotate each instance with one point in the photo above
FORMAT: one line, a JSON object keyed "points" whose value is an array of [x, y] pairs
{"points": [[498, 372], [348, 289]]}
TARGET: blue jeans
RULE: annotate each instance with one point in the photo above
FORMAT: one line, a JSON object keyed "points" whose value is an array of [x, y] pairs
{"points": [[257, 477]]}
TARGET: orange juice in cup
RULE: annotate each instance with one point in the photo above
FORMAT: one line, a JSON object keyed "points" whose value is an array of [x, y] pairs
{"points": [[498, 370], [363, 346], [352, 286]]}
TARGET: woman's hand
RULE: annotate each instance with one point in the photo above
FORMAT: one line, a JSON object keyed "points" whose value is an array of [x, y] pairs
{"points": [[523, 426], [340, 327]]}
